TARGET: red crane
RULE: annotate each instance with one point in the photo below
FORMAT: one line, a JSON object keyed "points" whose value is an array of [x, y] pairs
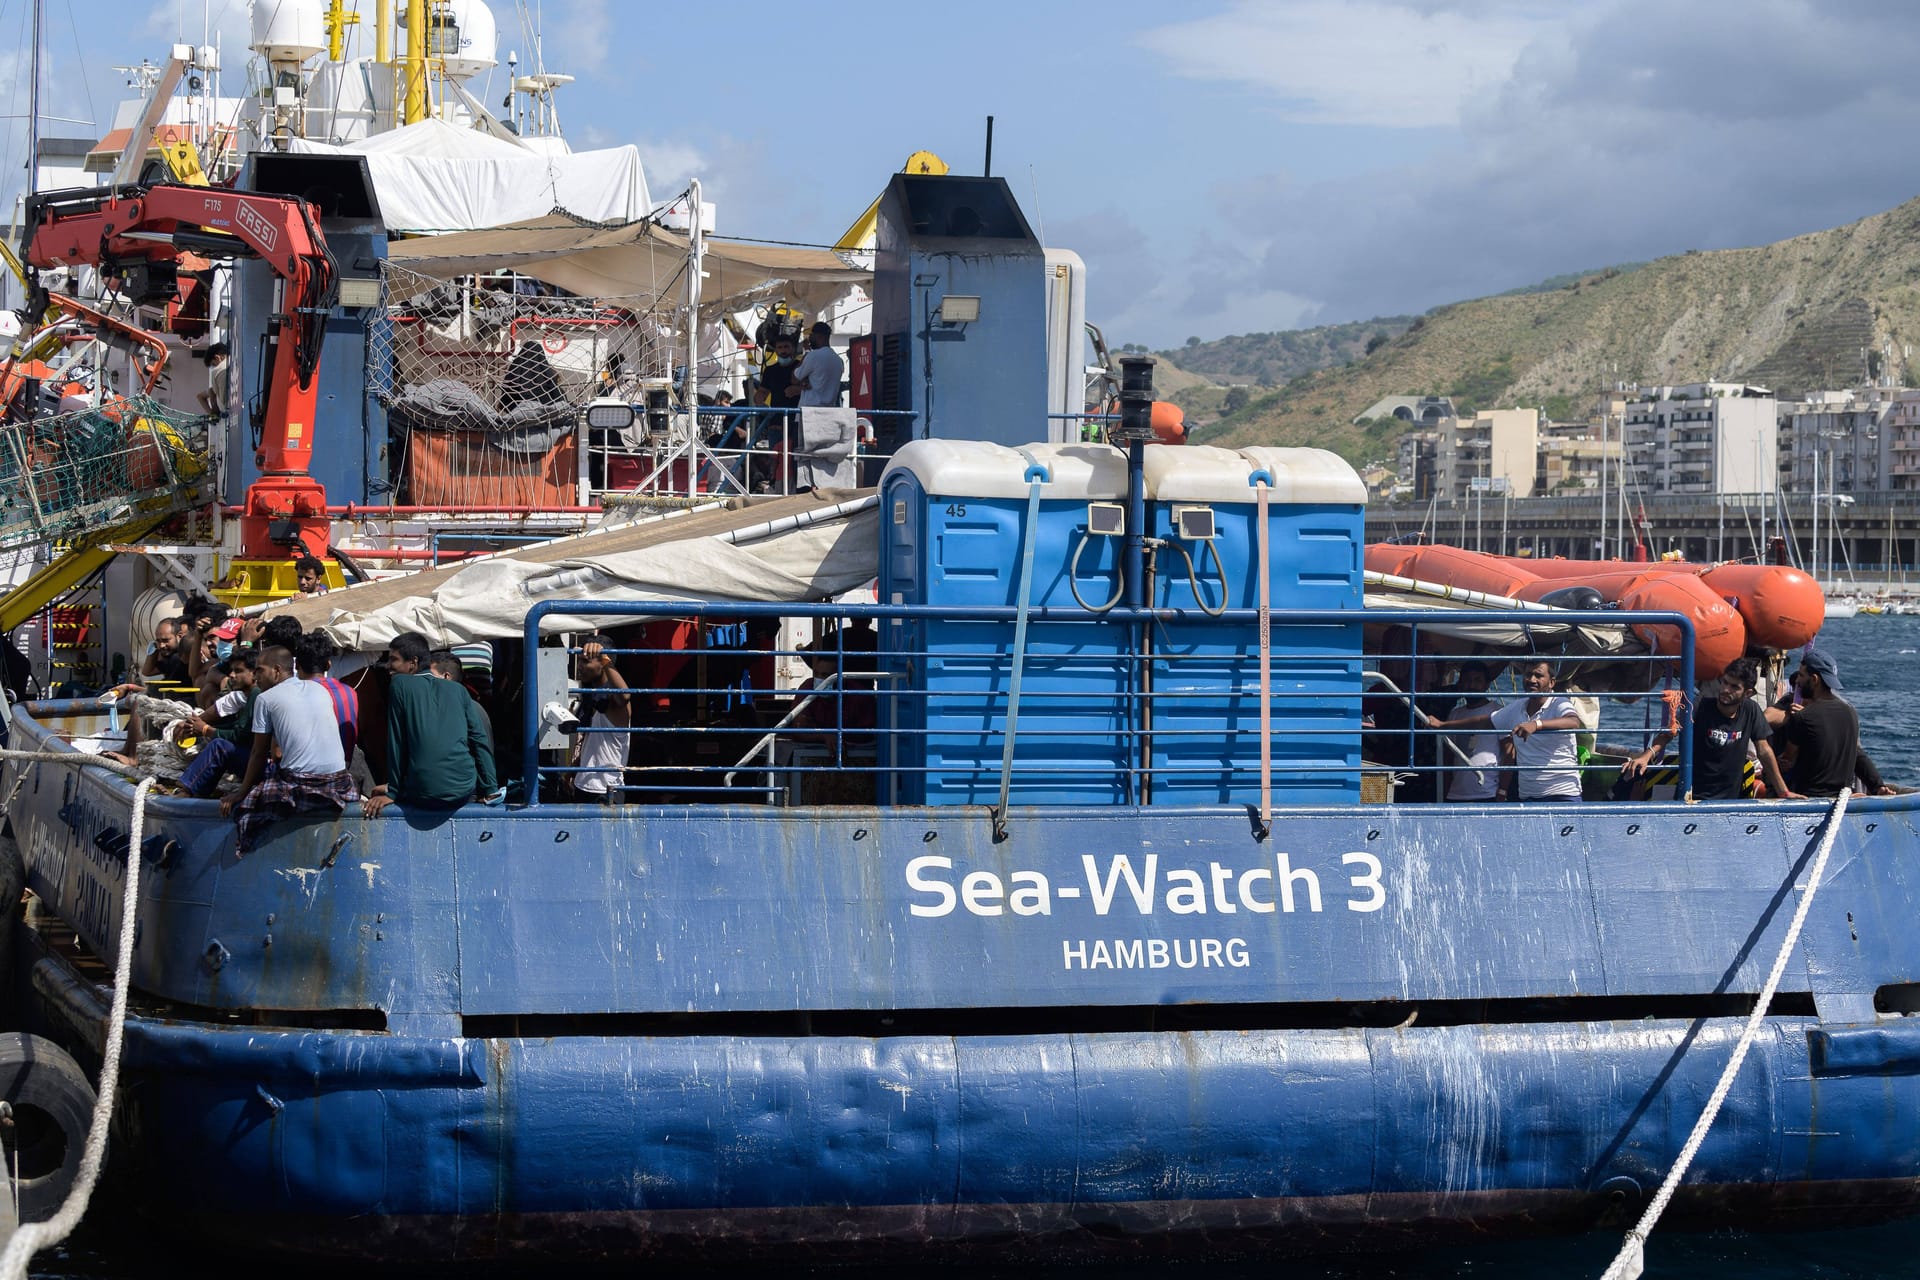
{"points": [[136, 236]]}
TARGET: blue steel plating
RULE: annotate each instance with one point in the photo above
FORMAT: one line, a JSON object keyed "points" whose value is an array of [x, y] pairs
{"points": [[463, 1136]]}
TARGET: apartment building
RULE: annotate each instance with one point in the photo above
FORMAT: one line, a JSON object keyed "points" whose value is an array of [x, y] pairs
{"points": [[1497, 446], [1702, 437], [1900, 439], [1843, 436], [1571, 458]]}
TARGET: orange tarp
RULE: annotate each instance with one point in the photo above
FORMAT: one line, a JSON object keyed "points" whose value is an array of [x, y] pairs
{"points": [[459, 468]]}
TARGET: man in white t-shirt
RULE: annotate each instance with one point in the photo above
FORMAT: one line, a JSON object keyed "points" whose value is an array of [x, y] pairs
{"points": [[1542, 726], [817, 380], [294, 717], [606, 706]]}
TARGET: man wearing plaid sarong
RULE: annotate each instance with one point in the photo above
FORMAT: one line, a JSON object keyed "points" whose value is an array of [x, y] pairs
{"points": [[294, 718]]}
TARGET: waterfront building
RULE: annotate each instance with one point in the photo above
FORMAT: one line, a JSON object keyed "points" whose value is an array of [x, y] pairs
{"points": [[1702, 437], [1900, 434], [1569, 458], [1414, 464], [1848, 432], [1495, 445]]}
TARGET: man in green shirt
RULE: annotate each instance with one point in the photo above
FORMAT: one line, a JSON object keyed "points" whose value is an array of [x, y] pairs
{"points": [[439, 750]]}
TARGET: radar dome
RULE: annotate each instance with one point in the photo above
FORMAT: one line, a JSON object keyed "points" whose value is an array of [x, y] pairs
{"points": [[289, 31]]}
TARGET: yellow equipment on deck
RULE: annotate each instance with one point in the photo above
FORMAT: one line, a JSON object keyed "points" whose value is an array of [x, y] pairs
{"points": [[69, 570], [253, 582], [860, 237]]}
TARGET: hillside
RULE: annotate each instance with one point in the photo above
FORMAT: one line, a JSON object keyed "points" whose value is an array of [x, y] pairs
{"points": [[1271, 359], [1792, 315]]}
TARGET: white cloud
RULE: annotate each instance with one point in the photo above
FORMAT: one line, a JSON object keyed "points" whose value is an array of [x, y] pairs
{"points": [[581, 40], [668, 166], [1133, 299], [1368, 62]]}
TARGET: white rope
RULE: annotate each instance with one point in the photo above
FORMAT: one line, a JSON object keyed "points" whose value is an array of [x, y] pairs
{"points": [[32, 1237], [1631, 1259]]}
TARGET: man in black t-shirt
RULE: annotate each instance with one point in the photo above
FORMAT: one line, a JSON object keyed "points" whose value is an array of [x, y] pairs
{"points": [[1824, 732], [1725, 725]]}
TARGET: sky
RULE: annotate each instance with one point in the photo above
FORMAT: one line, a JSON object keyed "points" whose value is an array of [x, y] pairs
{"points": [[1223, 166]]}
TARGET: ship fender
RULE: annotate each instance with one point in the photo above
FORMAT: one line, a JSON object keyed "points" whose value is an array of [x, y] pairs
{"points": [[1720, 635], [1452, 567], [50, 1106], [1783, 607]]}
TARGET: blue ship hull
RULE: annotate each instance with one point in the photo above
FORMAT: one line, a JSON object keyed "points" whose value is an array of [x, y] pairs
{"points": [[727, 1028]]}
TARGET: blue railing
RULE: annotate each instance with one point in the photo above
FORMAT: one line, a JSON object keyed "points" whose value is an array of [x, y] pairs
{"points": [[865, 736]]}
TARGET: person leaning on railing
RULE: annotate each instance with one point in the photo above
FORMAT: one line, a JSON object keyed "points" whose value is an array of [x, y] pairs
{"points": [[601, 757], [1542, 726], [1726, 721]]}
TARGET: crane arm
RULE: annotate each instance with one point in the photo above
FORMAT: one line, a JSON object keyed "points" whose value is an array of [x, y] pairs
{"points": [[137, 234]]}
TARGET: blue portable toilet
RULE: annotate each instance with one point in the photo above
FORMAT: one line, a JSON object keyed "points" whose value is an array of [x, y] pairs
{"points": [[954, 524], [1205, 704]]}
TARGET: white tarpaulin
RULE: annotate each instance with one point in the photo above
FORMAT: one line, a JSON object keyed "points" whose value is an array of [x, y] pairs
{"points": [[812, 554], [434, 177], [637, 261]]}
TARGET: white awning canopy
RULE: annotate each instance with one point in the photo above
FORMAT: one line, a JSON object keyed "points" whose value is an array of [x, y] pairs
{"points": [[635, 260], [806, 548]]}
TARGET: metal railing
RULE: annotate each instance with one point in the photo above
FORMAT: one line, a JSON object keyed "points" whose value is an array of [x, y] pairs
{"points": [[742, 450], [1104, 716]]}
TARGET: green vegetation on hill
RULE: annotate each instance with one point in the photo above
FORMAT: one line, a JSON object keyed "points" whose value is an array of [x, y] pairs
{"points": [[1792, 315]]}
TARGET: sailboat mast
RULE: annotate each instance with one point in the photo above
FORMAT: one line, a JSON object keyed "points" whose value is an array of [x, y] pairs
{"points": [[1604, 415]]}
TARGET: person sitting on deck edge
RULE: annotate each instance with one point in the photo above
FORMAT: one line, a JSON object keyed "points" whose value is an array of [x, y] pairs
{"points": [[1724, 726], [295, 716], [1823, 732], [439, 749]]}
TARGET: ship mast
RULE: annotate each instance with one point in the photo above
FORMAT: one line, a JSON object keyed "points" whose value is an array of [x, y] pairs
{"points": [[33, 107]]}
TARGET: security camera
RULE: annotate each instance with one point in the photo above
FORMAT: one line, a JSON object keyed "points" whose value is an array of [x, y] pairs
{"points": [[558, 718]]}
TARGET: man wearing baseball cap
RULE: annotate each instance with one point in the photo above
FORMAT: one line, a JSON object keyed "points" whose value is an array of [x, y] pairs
{"points": [[1822, 732]]}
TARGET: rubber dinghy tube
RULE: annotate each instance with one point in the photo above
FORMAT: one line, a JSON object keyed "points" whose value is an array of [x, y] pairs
{"points": [[51, 1103]]}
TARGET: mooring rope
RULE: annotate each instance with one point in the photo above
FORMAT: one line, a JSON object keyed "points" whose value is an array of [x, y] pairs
{"points": [[31, 1237], [1631, 1260]]}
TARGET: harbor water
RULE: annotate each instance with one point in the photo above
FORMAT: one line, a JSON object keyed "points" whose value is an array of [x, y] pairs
{"points": [[1879, 662]]}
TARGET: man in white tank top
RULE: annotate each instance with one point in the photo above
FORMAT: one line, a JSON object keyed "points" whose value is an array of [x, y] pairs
{"points": [[602, 757]]}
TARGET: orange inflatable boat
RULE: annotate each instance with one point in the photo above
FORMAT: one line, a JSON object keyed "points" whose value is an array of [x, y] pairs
{"points": [[1782, 606], [1720, 633]]}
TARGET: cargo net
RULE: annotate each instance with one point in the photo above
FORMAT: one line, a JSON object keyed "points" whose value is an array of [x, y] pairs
{"points": [[63, 475], [483, 379]]}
